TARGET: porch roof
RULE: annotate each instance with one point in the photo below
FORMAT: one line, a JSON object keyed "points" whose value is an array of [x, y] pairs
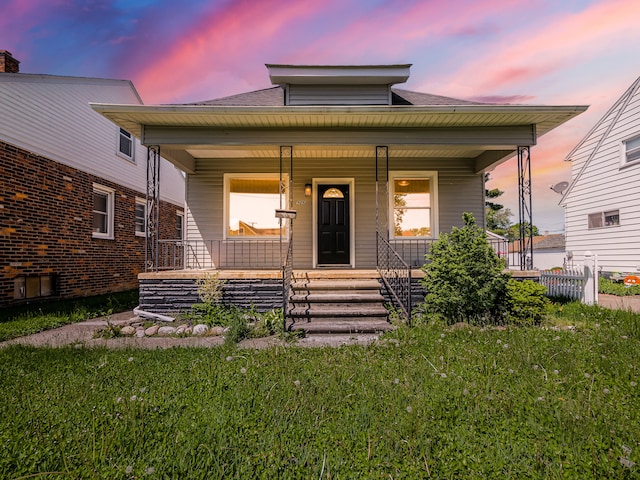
{"points": [[446, 128]]}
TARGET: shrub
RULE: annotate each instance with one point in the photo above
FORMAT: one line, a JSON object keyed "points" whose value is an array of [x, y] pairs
{"points": [[463, 276], [617, 288], [525, 302]]}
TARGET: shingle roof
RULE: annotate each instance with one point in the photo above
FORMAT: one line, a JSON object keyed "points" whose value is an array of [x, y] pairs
{"points": [[274, 96]]}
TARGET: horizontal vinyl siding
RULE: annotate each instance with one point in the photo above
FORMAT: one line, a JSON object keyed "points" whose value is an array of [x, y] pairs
{"points": [[51, 116], [338, 94], [459, 188], [604, 186]]}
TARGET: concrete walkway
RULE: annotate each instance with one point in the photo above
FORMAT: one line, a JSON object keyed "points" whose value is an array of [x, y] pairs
{"points": [[82, 335]]}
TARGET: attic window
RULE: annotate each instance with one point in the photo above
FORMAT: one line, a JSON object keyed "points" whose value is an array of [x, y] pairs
{"points": [[125, 144], [632, 150]]}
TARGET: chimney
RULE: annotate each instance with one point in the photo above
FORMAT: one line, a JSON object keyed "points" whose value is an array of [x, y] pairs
{"points": [[8, 64]]}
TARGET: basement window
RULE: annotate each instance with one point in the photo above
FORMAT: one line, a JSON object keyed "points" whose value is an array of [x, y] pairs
{"points": [[609, 218], [25, 288]]}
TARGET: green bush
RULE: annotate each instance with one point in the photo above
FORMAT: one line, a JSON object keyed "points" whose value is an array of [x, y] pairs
{"points": [[525, 302], [464, 276]]}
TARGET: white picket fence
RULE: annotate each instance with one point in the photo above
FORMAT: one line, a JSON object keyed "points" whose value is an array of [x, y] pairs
{"points": [[568, 282], [578, 283]]}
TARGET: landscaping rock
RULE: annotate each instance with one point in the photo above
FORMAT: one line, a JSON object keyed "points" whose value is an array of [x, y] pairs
{"points": [[200, 329], [164, 331], [127, 330], [180, 330], [140, 332], [152, 330], [218, 331]]}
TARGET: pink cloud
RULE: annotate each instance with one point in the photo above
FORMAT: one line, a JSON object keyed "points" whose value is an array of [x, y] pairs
{"points": [[536, 52], [223, 52]]}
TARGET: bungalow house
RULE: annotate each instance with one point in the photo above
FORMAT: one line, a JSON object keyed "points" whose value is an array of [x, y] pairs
{"points": [[333, 176], [602, 212], [73, 189]]}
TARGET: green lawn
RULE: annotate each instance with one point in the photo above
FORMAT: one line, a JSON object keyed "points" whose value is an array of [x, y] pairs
{"points": [[428, 401], [28, 319]]}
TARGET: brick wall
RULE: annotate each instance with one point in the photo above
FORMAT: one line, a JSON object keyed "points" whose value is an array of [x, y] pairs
{"points": [[46, 228]]}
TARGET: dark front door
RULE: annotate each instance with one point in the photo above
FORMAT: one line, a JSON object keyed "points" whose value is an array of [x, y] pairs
{"points": [[333, 225]]}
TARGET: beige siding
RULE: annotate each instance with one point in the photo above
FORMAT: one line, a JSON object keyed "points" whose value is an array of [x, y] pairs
{"points": [[338, 95], [51, 116], [459, 189]]}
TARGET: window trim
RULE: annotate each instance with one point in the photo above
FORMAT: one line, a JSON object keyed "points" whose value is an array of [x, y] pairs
{"points": [[110, 194], [430, 175], [603, 215], [624, 152], [119, 152], [226, 205], [142, 202]]}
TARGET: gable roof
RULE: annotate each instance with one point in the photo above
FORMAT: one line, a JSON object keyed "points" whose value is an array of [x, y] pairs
{"points": [[600, 131], [554, 241]]}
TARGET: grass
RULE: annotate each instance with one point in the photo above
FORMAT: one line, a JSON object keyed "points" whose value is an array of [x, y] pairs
{"points": [[28, 319], [428, 401]]}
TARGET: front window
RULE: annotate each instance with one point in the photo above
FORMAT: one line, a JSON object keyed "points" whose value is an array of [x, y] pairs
{"points": [[102, 211], [252, 200], [412, 204], [140, 217]]}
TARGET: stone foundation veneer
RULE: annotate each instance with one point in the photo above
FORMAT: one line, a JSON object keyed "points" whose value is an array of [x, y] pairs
{"points": [[174, 292]]}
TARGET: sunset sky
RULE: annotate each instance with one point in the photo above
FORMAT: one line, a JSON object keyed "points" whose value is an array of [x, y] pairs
{"points": [[560, 52]]}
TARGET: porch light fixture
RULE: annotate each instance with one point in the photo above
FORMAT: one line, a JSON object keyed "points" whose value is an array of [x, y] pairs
{"points": [[403, 183], [307, 189]]}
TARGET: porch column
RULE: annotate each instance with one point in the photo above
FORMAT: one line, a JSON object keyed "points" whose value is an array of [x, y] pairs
{"points": [[524, 208], [382, 214], [152, 217]]}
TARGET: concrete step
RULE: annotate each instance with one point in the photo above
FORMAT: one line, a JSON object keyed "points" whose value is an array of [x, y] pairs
{"points": [[336, 284], [337, 312], [362, 325], [330, 297]]}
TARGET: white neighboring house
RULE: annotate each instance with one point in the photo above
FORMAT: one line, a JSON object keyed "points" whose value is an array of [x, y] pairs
{"points": [[602, 208], [73, 188]]}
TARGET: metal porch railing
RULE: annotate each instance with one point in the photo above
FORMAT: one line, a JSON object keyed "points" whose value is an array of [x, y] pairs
{"points": [[229, 254], [395, 274]]}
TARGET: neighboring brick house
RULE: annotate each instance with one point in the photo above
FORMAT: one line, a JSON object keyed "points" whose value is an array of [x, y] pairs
{"points": [[72, 189]]}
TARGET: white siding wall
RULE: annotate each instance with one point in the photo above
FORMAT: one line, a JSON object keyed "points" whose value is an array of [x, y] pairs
{"points": [[51, 116], [604, 185], [459, 188]]}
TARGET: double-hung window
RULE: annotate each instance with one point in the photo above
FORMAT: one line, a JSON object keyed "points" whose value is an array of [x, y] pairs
{"points": [[251, 201], [179, 225], [125, 144], [631, 150], [413, 204], [140, 217], [103, 200]]}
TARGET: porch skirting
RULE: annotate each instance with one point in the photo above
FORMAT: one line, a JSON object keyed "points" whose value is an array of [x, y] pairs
{"points": [[173, 292]]}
